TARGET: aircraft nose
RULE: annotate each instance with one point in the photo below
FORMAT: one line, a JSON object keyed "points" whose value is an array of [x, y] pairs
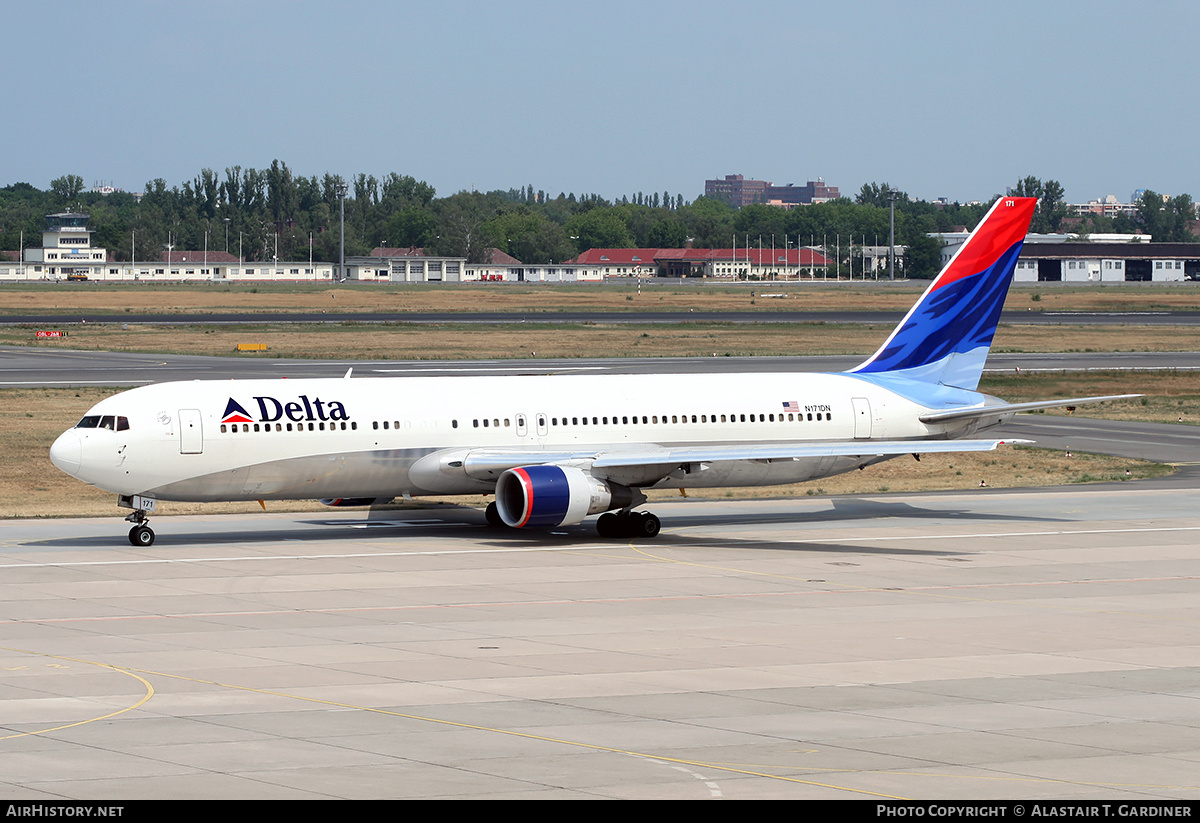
{"points": [[66, 452]]}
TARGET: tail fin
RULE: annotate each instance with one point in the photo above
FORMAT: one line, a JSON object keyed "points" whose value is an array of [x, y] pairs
{"points": [[946, 336]]}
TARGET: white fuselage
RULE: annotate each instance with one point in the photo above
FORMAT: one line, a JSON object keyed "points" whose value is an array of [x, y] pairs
{"points": [[382, 437]]}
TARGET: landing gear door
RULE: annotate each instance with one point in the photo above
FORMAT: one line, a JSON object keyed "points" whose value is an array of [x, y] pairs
{"points": [[191, 433]]}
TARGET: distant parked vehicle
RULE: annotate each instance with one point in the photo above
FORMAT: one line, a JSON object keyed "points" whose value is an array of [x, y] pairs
{"points": [[77, 276]]}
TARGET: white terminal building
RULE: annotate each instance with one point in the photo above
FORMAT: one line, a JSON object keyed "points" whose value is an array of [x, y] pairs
{"points": [[67, 253]]}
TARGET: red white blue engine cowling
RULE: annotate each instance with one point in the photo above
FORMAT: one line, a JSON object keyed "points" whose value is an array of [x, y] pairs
{"points": [[548, 496]]}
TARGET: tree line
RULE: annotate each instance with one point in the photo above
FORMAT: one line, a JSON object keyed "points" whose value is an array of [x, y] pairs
{"points": [[265, 214]]}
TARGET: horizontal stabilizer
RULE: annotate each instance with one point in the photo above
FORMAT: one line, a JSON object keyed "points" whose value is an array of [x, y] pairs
{"points": [[1013, 408]]}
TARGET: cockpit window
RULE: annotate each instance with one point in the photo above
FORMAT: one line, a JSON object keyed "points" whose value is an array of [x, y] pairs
{"points": [[108, 421]]}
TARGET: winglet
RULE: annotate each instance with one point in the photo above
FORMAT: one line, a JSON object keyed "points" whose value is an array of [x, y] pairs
{"points": [[946, 336]]}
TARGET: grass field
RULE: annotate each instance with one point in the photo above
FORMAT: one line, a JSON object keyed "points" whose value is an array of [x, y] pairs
{"points": [[217, 298], [405, 341]]}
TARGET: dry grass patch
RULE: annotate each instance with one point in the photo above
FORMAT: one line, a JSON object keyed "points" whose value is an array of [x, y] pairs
{"points": [[455, 341], [1170, 396], [117, 298]]}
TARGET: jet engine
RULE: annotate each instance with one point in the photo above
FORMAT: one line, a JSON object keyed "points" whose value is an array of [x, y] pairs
{"points": [[547, 496]]}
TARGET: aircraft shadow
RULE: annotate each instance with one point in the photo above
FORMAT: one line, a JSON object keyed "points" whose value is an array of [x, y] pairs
{"points": [[469, 524]]}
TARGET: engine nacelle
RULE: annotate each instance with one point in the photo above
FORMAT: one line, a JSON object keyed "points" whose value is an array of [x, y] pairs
{"points": [[548, 496]]}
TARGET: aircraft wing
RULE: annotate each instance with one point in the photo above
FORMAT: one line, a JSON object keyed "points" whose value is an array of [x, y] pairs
{"points": [[484, 463], [1012, 408]]}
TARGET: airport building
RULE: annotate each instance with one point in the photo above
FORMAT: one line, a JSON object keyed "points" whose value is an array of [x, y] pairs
{"points": [[730, 264], [67, 247], [67, 253], [1108, 262], [413, 265]]}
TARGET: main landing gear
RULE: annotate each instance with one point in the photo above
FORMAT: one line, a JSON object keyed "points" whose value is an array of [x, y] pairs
{"points": [[611, 524], [628, 524], [140, 534]]}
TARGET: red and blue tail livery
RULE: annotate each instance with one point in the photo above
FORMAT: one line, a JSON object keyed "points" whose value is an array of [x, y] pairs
{"points": [[944, 339]]}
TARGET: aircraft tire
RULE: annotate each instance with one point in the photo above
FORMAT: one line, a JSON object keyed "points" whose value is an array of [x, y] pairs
{"points": [[648, 525], [141, 536], [609, 525], [493, 515]]}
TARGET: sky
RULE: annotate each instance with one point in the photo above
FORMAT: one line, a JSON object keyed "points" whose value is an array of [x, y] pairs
{"points": [[939, 99]]}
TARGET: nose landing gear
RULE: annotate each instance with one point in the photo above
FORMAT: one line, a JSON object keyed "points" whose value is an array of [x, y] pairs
{"points": [[140, 534]]}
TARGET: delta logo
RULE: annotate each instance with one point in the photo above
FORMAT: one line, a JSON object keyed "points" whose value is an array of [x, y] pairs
{"points": [[300, 410]]}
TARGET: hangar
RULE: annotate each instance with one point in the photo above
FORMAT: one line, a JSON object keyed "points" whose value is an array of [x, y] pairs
{"points": [[1108, 262]]}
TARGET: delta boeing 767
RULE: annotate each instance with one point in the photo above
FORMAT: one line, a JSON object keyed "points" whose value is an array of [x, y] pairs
{"points": [[555, 449]]}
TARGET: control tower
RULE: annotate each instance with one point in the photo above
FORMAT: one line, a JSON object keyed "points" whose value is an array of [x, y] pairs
{"points": [[67, 248]]}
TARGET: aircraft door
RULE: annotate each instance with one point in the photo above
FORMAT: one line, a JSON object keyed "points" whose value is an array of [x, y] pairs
{"points": [[542, 428], [522, 426], [191, 432], [862, 418]]}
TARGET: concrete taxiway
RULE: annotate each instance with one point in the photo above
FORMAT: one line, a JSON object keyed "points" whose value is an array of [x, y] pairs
{"points": [[994, 644], [22, 367]]}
